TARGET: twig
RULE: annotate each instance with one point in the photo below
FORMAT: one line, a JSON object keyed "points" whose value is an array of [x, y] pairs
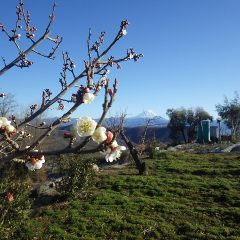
{"points": [[4, 62], [88, 44]]}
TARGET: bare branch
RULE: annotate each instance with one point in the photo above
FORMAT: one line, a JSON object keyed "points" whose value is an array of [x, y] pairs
{"points": [[21, 14]]}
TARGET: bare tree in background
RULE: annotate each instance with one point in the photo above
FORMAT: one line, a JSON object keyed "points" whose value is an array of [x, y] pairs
{"points": [[8, 105], [150, 122], [229, 111], [116, 124]]}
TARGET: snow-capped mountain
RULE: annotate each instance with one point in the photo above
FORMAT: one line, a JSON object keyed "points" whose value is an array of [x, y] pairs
{"points": [[143, 118], [146, 114]]}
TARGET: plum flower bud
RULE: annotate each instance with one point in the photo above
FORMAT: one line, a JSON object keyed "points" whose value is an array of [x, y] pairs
{"points": [[67, 135], [99, 135], [85, 126], [15, 37], [109, 137], [74, 98], [52, 17], [88, 98], [99, 87], [72, 65], [2, 95], [61, 106], [10, 197], [29, 135], [110, 92], [21, 133], [130, 56], [42, 124], [124, 32]]}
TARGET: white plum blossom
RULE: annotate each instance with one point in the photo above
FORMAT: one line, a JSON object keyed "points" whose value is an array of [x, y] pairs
{"points": [[10, 129], [5, 126], [113, 152], [88, 97], [85, 126], [4, 122], [35, 163], [32, 166], [99, 135]]}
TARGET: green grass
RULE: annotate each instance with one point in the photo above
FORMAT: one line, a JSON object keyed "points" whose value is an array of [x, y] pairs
{"points": [[186, 196]]}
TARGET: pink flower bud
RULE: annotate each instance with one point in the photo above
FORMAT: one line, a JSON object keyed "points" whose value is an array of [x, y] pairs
{"points": [[111, 92], [10, 197], [109, 137], [60, 106], [72, 65]]}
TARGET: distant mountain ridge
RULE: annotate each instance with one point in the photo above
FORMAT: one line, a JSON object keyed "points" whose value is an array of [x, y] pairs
{"points": [[135, 121], [140, 120]]}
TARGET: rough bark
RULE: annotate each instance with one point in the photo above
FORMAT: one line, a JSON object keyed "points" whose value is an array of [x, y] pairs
{"points": [[141, 166]]}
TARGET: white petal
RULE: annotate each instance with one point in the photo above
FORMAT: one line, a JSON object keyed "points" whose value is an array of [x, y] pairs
{"points": [[85, 126], [38, 165], [30, 166], [114, 144], [4, 121], [88, 98], [122, 148], [99, 135], [10, 128]]}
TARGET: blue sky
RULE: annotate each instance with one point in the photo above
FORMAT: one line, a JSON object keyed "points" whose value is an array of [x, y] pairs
{"points": [[191, 52]]}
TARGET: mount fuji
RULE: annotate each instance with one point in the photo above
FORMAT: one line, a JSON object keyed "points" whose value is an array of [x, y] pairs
{"points": [[142, 119], [146, 114]]}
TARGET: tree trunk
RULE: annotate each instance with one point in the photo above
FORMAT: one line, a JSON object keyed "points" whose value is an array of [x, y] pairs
{"points": [[184, 137], [141, 166]]}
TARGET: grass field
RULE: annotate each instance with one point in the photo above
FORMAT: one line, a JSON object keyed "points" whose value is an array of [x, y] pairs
{"points": [[185, 196]]}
